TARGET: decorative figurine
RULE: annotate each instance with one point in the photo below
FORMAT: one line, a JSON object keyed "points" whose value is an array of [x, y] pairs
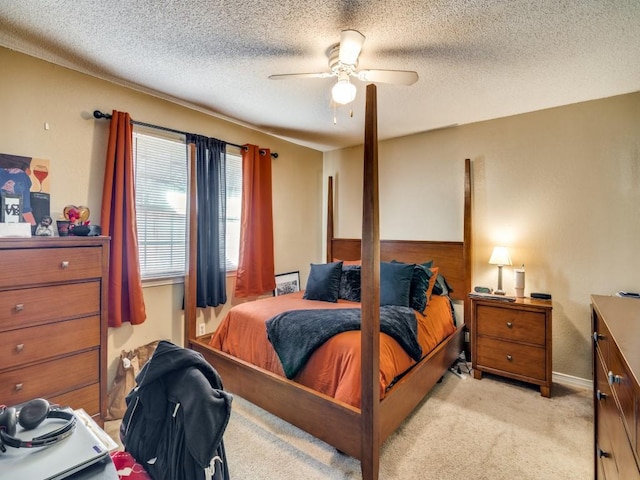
{"points": [[45, 227]]}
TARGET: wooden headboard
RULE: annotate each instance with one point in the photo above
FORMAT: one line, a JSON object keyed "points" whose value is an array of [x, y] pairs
{"points": [[452, 258]]}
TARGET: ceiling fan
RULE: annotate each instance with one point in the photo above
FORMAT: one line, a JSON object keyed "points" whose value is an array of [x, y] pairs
{"points": [[343, 61]]}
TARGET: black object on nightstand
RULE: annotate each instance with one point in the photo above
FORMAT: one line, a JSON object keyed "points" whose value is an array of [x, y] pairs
{"points": [[541, 296]]}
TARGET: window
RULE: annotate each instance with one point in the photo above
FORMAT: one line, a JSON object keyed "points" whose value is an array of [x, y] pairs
{"points": [[161, 203], [234, 208]]}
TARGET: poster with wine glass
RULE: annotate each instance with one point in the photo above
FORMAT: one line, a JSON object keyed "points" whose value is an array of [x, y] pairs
{"points": [[28, 178]]}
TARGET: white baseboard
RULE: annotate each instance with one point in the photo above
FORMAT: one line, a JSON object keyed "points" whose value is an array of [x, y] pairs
{"points": [[572, 381]]}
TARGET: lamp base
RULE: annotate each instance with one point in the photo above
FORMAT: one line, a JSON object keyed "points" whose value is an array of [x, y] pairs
{"points": [[499, 292]]}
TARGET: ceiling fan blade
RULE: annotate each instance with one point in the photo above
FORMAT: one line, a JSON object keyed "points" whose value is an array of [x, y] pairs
{"points": [[351, 42], [398, 77], [286, 76]]}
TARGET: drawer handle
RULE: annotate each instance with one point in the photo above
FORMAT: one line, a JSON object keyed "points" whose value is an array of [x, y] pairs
{"points": [[603, 454], [614, 378], [64, 264], [601, 395], [509, 325], [19, 307], [19, 386], [509, 357], [597, 336], [19, 347]]}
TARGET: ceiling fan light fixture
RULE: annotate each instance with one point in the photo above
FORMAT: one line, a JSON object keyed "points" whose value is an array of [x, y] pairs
{"points": [[343, 92], [350, 46]]}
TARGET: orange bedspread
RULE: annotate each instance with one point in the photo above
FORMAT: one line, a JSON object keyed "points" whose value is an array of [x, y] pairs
{"points": [[334, 368]]}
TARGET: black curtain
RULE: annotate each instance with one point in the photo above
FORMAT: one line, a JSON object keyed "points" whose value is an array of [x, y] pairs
{"points": [[212, 206]]}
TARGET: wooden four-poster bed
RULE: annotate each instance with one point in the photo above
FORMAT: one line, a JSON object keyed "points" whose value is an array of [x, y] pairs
{"points": [[358, 432]]}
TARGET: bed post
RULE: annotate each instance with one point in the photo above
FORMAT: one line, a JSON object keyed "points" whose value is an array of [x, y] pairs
{"points": [[467, 250], [192, 252], [370, 288], [330, 220]]}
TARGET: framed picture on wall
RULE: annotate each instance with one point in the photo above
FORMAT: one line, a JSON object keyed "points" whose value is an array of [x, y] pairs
{"points": [[11, 208], [287, 283]]}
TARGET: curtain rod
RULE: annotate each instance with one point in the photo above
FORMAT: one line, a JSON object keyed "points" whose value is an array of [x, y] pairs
{"points": [[98, 114]]}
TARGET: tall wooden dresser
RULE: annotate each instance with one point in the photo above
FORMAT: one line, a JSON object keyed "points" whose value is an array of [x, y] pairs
{"points": [[616, 365], [53, 321]]}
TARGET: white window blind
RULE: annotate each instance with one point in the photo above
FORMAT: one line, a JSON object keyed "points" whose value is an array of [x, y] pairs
{"points": [[234, 209], [161, 195]]}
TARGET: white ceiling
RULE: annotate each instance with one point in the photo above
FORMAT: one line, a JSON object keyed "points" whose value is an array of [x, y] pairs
{"points": [[477, 59]]}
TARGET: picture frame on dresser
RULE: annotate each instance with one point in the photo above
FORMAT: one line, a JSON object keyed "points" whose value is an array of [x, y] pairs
{"points": [[287, 283], [11, 207]]}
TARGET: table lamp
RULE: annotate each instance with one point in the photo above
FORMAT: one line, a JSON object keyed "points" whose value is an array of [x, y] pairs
{"points": [[500, 257]]}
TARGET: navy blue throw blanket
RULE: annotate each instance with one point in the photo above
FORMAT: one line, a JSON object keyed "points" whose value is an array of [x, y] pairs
{"points": [[296, 334]]}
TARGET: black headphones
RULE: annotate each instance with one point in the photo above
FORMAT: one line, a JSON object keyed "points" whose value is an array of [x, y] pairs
{"points": [[29, 416]]}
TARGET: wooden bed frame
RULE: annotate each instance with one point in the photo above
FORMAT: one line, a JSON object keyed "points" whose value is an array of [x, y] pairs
{"points": [[356, 432]]}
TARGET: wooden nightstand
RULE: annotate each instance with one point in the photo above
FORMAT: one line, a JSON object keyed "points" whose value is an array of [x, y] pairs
{"points": [[512, 339]]}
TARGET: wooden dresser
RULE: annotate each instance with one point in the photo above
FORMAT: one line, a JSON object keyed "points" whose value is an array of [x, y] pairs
{"points": [[616, 365], [53, 321], [512, 339]]}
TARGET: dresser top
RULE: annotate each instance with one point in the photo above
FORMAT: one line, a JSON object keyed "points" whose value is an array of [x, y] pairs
{"points": [[47, 242], [622, 316]]}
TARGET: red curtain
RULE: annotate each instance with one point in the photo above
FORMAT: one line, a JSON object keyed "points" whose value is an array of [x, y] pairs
{"points": [[118, 217], [256, 272]]}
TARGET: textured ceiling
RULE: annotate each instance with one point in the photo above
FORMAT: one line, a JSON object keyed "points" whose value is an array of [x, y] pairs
{"points": [[477, 59]]}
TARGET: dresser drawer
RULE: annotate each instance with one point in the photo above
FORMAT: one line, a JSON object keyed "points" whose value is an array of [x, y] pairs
{"points": [[87, 398], [511, 357], [620, 381], [509, 324], [601, 333], [607, 412], [44, 265], [50, 379], [25, 307], [19, 347]]}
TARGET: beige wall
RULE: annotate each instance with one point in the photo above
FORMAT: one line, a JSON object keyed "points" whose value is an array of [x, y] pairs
{"points": [[559, 187], [33, 92]]}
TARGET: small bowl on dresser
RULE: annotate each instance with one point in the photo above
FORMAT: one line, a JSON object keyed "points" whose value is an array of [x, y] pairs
{"points": [[79, 231]]}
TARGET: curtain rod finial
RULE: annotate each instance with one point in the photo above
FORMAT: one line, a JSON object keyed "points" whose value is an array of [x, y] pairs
{"points": [[99, 114]]}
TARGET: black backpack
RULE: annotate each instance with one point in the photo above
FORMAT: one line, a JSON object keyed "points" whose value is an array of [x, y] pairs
{"points": [[176, 417]]}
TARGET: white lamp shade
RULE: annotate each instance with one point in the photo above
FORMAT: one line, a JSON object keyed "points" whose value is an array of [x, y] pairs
{"points": [[500, 256], [343, 92]]}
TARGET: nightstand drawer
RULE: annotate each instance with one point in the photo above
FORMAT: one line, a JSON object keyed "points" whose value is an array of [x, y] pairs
{"points": [[510, 324], [511, 357]]}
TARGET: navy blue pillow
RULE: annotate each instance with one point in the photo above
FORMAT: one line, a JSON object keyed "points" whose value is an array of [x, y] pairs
{"points": [[350, 283], [428, 264], [441, 287], [395, 283], [324, 282], [419, 285]]}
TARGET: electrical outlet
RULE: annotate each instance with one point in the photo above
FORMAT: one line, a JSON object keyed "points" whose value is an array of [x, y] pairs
{"points": [[201, 329]]}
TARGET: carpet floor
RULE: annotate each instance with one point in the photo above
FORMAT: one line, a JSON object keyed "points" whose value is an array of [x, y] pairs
{"points": [[489, 429]]}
